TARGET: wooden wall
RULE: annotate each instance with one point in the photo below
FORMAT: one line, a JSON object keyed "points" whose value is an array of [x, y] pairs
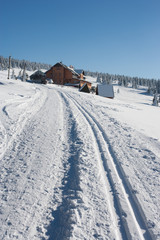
{"points": [[60, 75], [49, 74]]}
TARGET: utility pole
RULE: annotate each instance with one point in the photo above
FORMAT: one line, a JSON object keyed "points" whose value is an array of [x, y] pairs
{"points": [[9, 66], [24, 73]]}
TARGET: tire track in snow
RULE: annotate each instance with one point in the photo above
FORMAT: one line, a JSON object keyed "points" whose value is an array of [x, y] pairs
{"points": [[61, 226], [79, 216], [61, 214], [133, 220]]}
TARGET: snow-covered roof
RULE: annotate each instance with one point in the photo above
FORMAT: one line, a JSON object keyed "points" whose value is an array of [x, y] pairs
{"points": [[79, 71], [38, 73], [72, 84], [73, 71], [105, 90], [90, 79], [69, 68]]}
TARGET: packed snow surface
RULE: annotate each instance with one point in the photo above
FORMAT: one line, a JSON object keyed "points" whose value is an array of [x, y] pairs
{"points": [[78, 166]]}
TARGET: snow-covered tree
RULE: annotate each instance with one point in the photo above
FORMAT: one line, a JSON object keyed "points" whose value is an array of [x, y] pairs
{"points": [[155, 100], [20, 74], [1, 68], [99, 79], [15, 63], [12, 76]]}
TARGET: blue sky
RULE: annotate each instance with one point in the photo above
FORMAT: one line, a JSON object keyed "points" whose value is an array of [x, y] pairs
{"points": [[112, 36]]}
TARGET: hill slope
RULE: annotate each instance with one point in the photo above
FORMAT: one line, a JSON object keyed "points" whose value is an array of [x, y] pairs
{"points": [[77, 166]]}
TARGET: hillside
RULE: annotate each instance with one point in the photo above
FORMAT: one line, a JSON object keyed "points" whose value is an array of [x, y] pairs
{"points": [[78, 166]]}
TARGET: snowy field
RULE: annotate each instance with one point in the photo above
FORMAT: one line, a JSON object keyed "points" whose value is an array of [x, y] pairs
{"points": [[78, 166]]}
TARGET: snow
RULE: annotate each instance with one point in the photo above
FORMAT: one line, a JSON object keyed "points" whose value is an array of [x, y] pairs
{"points": [[90, 79], [138, 111], [78, 166]]}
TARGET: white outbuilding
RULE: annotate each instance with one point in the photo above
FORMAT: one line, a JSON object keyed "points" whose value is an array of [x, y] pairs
{"points": [[105, 90]]}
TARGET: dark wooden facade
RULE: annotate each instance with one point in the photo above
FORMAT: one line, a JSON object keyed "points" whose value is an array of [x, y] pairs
{"points": [[38, 77], [61, 74]]}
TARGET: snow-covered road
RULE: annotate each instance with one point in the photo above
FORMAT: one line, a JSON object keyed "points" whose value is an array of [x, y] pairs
{"points": [[71, 168]]}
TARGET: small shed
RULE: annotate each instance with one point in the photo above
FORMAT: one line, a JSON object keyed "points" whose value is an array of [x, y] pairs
{"points": [[105, 90], [84, 88], [38, 77]]}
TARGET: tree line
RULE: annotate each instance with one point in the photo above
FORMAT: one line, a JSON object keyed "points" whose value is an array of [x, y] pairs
{"points": [[15, 63], [153, 85]]}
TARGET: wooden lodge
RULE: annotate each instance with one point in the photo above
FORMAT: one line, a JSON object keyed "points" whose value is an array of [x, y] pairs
{"points": [[63, 75]]}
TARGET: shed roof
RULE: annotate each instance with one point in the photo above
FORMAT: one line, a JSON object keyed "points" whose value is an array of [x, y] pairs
{"points": [[90, 79], [38, 73], [105, 90]]}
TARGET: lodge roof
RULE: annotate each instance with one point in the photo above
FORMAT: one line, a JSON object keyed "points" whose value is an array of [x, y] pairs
{"points": [[70, 69]]}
